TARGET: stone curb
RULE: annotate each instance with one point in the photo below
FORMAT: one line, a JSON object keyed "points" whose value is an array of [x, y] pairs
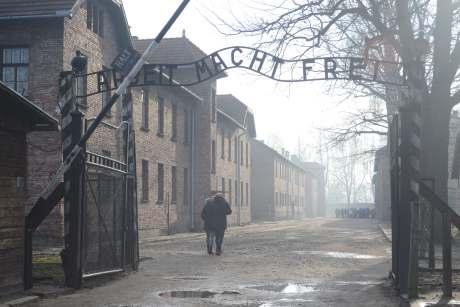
{"points": [[26, 301]]}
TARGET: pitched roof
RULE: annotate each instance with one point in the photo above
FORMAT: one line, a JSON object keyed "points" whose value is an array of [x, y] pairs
{"points": [[35, 8], [20, 107], [238, 111], [29, 9], [176, 50]]}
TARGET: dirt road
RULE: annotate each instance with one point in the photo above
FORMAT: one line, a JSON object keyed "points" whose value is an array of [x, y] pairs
{"points": [[317, 262]]}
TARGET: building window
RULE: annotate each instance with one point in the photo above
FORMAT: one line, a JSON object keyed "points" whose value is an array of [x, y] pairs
{"points": [[95, 17], [247, 194], [235, 158], [161, 175], [213, 105], [105, 86], [229, 148], [236, 192], [223, 186], [173, 185], [81, 86], [213, 157], [186, 186], [174, 122], [241, 153], [161, 116], [242, 193], [14, 69], [186, 126], [247, 155], [222, 145], [230, 191], [145, 180], [145, 109]]}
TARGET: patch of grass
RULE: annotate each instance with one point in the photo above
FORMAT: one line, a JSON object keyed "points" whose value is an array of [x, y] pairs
{"points": [[48, 269]]}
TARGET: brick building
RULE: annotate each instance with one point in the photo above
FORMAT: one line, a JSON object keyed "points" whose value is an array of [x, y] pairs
{"points": [[18, 117], [181, 50], [163, 121], [231, 156], [38, 39], [279, 185]]}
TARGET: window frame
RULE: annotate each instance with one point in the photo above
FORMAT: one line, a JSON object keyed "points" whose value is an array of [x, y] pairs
{"points": [[16, 66], [145, 96], [174, 122], [160, 183], [144, 180], [173, 184], [161, 116]]}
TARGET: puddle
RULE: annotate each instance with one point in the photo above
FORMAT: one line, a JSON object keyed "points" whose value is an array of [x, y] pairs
{"points": [[195, 294], [286, 288], [297, 289], [359, 283], [188, 294], [191, 278], [339, 255], [286, 302]]}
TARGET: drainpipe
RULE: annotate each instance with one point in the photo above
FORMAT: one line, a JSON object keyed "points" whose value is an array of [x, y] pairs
{"points": [[192, 174]]}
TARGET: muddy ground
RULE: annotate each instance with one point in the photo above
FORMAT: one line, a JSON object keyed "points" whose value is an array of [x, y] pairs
{"points": [[316, 262]]}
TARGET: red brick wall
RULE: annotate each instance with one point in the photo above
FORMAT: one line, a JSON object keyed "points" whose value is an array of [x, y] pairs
{"points": [[156, 149], [12, 208], [52, 44], [228, 170]]}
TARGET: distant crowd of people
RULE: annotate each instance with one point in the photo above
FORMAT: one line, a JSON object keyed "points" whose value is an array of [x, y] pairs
{"points": [[355, 213]]}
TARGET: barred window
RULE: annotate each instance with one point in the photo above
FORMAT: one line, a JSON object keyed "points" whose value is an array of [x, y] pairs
{"points": [[145, 109], [174, 122], [161, 116], [95, 17], [186, 192], [173, 184], [160, 183], [145, 180]]}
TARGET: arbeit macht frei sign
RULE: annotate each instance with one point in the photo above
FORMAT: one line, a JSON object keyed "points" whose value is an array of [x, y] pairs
{"points": [[263, 63]]}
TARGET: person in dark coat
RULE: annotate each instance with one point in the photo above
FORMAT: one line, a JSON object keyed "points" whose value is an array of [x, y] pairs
{"points": [[214, 215]]}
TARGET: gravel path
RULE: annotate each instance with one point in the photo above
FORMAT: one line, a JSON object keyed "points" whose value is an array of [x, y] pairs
{"points": [[312, 262]]}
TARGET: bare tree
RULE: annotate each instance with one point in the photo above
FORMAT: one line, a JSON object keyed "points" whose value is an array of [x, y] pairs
{"points": [[423, 35]]}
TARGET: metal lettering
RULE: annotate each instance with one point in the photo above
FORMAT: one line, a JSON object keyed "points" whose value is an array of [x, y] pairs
{"points": [[307, 68], [277, 62], [236, 63], [328, 69], [218, 62], [261, 60], [201, 68]]}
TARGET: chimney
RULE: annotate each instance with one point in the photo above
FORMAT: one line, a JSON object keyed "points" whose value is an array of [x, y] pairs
{"points": [[183, 33]]}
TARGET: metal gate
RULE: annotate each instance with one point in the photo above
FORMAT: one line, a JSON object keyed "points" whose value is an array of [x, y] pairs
{"points": [[104, 213]]}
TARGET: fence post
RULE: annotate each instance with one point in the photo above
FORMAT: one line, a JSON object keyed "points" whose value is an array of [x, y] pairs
{"points": [[72, 132], [71, 255], [409, 189], [446, 255]]}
